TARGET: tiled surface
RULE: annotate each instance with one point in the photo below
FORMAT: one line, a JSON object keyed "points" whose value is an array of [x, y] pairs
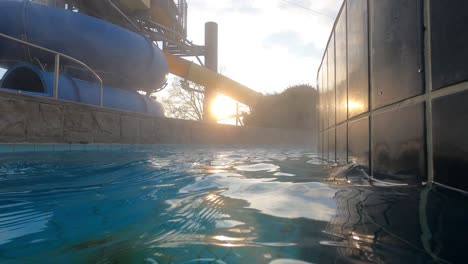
{"points": [[332, 145], [358, 59], [325, 145], [449, 41], [396, 50], [320, 94], [324, 95], [358, 142], [381, 43], [342, 144], [331, 83], [341, 69], [450, 131], [399, 144]]}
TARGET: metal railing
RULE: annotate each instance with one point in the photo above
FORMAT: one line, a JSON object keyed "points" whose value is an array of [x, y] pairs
{"points": [[58, 55]]}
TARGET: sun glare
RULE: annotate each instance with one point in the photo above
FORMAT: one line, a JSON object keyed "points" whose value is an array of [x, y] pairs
{"points": [[223, 107]]}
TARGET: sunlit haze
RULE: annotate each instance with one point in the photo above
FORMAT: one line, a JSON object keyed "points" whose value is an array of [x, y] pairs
{"points": [[267, 45]]}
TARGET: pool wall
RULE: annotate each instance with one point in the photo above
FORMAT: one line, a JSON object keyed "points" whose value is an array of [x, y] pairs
{"points": [[32, 119], [393, 89]]}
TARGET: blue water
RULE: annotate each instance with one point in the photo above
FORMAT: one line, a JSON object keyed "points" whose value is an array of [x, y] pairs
{"points": [[218, 205]]}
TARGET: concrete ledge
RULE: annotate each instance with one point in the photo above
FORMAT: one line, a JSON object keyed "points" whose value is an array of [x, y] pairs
{"points": [[31, 119]]}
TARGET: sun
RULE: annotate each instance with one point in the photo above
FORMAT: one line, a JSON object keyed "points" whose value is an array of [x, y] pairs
{"points": [[223, 107]]}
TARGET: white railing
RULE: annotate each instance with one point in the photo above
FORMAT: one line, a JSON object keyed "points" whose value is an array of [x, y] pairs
{"points": [[58, 55]]}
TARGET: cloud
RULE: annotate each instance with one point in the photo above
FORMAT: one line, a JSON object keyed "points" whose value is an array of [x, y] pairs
{"points": [[292, 4], [293, 42], [262, 45], [242, 6]]}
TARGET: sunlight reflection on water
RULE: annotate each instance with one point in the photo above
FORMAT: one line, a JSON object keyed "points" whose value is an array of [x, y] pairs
{"points": [[198, 205]]}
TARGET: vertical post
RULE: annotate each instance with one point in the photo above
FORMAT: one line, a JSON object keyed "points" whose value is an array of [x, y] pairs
{"points": [[211, 62], [428, 82], [101, 97], [56, 75]]}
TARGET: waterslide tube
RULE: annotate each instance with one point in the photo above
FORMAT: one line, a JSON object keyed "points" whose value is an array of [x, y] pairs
{"points": [[122, 58], [32, 80], [208, 78]]}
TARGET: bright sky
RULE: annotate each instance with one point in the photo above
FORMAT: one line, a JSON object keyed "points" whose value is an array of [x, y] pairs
{"points": [[266, 45]]}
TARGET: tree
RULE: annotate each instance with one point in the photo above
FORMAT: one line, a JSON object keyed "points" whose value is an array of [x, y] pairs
{"points": [[184, 100], [294, 108]]}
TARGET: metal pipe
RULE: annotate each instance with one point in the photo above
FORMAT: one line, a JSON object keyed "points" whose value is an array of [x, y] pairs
{"points": [[56, 53], [56, 75], [208, 78], [211, 62]]}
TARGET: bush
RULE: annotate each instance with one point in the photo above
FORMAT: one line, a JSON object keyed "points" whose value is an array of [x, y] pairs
{"points": [[294, 108]]}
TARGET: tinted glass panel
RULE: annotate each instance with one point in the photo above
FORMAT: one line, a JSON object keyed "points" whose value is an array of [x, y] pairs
{"points": [[399, 144], [358, 146], [449, 34], [358, 60], [396, 53], [320, 106], [331, 81], [326, 97], [342, 144], [450, 131], [341, 69], [325, 145], [332, 145]]}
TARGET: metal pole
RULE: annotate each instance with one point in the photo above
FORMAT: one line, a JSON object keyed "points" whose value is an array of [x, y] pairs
{"points": [[56, 75], [211, 62], [101, 99]]}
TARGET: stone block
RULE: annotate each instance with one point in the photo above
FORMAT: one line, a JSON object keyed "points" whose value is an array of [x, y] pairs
{"points": [[44, 123], [106, 127], [130, 128], [147, 131], [201, 133], [12, 120], [173, 131], [78, 125]]}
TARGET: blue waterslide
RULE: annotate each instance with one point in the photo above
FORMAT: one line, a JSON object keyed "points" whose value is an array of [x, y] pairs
{"points": [[122, 58], [29, 79]]}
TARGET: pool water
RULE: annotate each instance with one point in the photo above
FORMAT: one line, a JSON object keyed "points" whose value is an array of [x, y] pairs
{"points": [[203, 204]]}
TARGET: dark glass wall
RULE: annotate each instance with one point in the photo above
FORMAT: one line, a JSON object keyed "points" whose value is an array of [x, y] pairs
{"points": [[331, 83], [325, 94], [396, 50], [358, 142], [450, 128], [394, 90], [398, 144], [341, 69], [449, 38], [342, 144], [332, 145], [358, 58]]}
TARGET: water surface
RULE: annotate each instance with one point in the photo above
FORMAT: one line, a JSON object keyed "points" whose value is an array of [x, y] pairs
{"points": [[205, 204]]}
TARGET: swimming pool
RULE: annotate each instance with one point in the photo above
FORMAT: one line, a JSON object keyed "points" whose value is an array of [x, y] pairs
{"points": [[205, 204]]}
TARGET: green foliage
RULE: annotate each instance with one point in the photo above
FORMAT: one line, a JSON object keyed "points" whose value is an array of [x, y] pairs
{"points": [[294, 108]]}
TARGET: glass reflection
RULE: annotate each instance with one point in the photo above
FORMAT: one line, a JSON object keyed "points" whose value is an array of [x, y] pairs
{"points": [[395, 225]]}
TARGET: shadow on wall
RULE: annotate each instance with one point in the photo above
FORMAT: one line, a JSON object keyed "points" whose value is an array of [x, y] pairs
{"points": [[294, 108]]}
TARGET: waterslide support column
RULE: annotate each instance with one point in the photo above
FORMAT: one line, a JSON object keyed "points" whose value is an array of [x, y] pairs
{"points": [[211, 62]]}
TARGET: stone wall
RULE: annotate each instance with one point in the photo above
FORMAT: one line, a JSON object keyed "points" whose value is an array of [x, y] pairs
{"points": [[32, 119]]}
